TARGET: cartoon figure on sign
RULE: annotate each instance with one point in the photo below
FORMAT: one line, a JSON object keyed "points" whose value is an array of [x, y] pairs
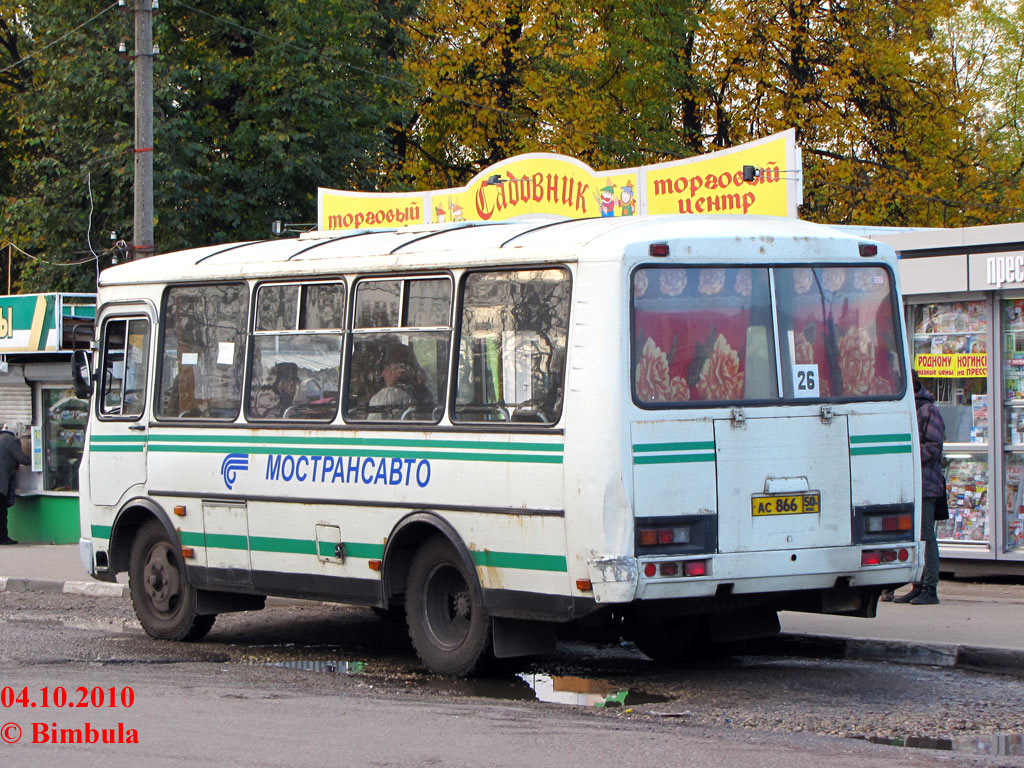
{"points": [[626, 200], [606, 201], [456, 211], [441, 215]]}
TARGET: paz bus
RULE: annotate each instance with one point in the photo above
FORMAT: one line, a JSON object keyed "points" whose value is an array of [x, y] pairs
{"points": [[681, 425]]}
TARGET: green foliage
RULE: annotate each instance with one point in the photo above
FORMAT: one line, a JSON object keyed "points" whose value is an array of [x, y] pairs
{"points": [[256, 104], [892, 102], [908, 113]]}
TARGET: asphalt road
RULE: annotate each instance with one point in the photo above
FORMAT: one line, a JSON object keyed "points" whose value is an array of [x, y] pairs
{"points": [[323, 685]]}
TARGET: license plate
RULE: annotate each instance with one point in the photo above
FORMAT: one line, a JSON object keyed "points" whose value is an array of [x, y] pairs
{"points": [[798, 504]]}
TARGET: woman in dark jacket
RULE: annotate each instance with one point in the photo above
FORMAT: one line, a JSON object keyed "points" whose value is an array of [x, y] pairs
{"points": [[932, 432], [11, 456]]}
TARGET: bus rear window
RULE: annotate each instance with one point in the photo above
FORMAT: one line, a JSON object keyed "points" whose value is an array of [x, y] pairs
{"points": [[703, 334], [838, 326], [706, 334]]}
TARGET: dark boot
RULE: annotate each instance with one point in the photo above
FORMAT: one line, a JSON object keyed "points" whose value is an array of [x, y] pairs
{"points": [[886, 596], [910, 596], [928, 596]]}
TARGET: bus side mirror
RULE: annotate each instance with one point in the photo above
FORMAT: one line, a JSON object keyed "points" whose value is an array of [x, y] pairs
{"points": [[81, 373]]}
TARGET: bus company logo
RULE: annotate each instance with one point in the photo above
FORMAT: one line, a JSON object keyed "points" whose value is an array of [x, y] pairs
{"points": [[233, 464]]}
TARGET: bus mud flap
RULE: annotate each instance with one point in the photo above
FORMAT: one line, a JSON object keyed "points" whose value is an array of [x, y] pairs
{"points": [[522, 637]]}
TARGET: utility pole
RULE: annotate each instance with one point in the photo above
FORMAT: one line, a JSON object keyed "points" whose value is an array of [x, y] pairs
{"points": [[143, 225]]}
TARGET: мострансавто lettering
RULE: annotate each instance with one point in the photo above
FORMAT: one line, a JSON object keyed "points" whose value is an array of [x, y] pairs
{"points": [[366, 470]]}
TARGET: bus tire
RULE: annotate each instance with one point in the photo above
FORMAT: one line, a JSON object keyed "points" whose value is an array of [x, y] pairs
{"points": [[447, 623], [164, 601]]}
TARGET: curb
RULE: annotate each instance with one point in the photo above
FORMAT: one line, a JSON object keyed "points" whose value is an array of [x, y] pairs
{"points": [[97, 589], [1003, 661], [88, 588]]}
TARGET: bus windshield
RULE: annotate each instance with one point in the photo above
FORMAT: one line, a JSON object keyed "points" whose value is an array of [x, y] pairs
{"points": [[706, 334]]}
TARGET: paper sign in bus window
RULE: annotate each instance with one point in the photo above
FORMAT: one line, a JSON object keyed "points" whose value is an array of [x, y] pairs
{"points": [[806, 382], [225, 353]]}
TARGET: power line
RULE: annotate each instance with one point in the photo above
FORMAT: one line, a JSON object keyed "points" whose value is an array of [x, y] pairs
{"points": [[46, 261]]}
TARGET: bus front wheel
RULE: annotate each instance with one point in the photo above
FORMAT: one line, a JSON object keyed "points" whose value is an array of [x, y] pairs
{"points": [[164, 601], [448, 626]]}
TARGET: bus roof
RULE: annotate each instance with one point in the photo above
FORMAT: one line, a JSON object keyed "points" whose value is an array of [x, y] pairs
{"points": [[467, 244]]}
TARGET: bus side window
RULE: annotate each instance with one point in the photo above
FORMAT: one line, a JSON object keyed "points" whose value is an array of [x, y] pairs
{"points": [[398, 366], [125, 362], [512, 346], [295, 365], [201, 349]]}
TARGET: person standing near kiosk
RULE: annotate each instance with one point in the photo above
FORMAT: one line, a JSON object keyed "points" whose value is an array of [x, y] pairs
{"points": [[932, 430], [11, 456]]}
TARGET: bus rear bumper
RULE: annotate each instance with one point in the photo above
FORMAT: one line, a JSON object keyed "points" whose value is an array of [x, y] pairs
{"points": [[623, 579]]}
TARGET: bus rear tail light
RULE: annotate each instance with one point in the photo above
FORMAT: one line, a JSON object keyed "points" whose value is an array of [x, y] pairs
{"points": [[880, 556], [879, 524], [686, 568], [695, 568], [886, 523], [650, 537]]}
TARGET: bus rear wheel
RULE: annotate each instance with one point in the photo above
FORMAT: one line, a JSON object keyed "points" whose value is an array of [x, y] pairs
{"points": [[444, 610], [164, 601]]}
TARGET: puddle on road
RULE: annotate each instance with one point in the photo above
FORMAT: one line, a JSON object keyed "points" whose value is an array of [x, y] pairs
{"points": [[326, 666], [998, 744], [573, 691]]}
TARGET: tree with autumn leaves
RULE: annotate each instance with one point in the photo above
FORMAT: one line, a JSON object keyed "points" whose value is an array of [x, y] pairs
{"points": [[908, 113]]}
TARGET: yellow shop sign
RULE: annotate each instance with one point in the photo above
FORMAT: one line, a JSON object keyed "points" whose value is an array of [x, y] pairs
{"points": [[549, 185], [952, 366]]}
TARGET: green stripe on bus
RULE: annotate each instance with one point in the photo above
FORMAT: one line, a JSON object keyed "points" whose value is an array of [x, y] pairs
{"points": [[362, 452], [277, 545], [366, 551], [485, 558], [879, 449], [283, 546], [119, 438], [101, 531], [897, 438], [674, 458], [520, 560], [225, 541], [707, 445], [117, 448], [358, 441]]}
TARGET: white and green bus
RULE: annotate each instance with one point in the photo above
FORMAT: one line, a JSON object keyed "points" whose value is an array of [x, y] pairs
{"points": [[679, 424]]}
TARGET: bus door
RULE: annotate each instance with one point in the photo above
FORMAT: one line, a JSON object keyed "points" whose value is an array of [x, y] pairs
{"points": [[783, 482], [118, 434]]}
